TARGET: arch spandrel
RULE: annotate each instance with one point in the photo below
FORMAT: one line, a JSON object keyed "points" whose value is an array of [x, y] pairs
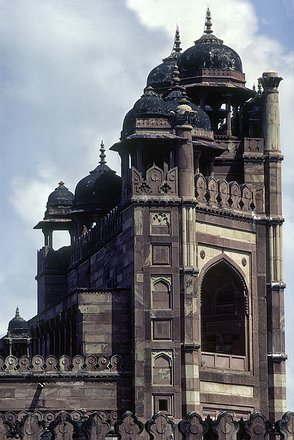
{"points": [[239, 261]]}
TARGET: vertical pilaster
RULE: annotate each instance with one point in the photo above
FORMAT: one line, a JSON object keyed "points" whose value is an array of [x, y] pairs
{"points": [[190, 313]]}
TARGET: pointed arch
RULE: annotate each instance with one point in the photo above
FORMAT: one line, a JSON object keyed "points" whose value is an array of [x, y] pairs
{"points": [[161, 293], [162, 369], [230, 263], [224, 308]]}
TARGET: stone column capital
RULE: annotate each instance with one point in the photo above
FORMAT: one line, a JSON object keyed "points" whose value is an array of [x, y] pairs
{"points": [[270, 81]]}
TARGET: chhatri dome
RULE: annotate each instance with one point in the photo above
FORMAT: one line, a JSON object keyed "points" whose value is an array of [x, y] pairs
{"points": [[59, 201], [160, 78], [18, 327], [150, 105], [208, 52], [100, 189], [176, 99]]}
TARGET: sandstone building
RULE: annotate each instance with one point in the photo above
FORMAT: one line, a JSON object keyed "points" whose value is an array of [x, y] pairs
{"points": [[170, 295]]}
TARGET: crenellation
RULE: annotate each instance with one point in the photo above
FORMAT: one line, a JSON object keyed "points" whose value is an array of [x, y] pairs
{"points": [[219, 194]]}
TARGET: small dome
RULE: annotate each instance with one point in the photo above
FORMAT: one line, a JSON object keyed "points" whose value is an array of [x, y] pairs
{"points": [[18, 327], [160, 78], [61, 197], [208, 52], [177, 102], [150, 105], [100, 190]]}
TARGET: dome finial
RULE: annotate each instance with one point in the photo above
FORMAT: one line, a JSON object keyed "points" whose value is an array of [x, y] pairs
{"points": [[208, 24], [17, 315], [176, 75], [208, 37], [177, 41], [102, 154]]}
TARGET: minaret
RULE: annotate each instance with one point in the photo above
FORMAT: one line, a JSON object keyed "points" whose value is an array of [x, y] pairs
{"points": [[273, 210]]}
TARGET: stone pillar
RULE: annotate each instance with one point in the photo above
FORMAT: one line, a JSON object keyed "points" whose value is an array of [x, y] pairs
{"points": [[271, 115], [271, 133], [125, 174], [202, 101], [189, 312], [229, 116], [50, 235], [186, 162], [197, 155], [273, 209]]}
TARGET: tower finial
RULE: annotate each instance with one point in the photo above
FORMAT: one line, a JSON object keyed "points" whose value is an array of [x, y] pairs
{"points": [[208, 24], [177, 41], [102, 154]]}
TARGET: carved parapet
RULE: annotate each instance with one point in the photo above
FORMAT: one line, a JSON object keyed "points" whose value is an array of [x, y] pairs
{"points": [[234, 195], [285, 426], [223, 195], [105, 229], [258, 427], [100, 365], [253, 147], [160, 427], [31, 428], [128, 427], [192, 427], [97, 425], [225, 427], [156, 183], [62, 425]]}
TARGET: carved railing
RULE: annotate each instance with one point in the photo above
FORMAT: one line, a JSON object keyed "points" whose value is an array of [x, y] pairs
{"points": [[157, 182], [105, 229], [100, 365], [220, 194], [99, 425]]}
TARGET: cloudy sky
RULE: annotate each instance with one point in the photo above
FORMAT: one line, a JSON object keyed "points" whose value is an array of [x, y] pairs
{"points": [[71, 69]]}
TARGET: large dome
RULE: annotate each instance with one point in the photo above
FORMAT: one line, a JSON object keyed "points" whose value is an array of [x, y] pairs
{"points": [[100, 190], [208, 52], [160, 78]]}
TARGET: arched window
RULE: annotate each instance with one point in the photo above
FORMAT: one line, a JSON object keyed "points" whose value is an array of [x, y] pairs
{"points": [[162, 370], [223, 311], [161, 297]]}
